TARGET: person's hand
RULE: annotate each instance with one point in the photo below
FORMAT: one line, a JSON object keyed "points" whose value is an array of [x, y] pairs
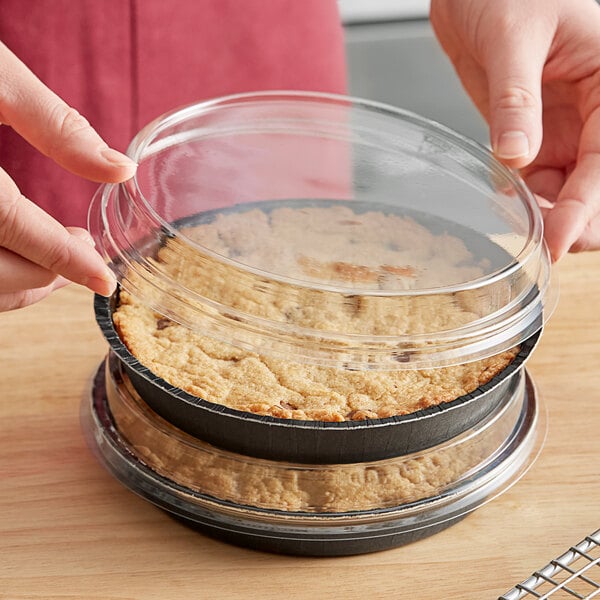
{"points": [[38, 254], [533, 66]]}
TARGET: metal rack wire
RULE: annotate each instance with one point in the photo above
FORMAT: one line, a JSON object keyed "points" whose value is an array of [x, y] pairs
{"points": [[575, 574]]}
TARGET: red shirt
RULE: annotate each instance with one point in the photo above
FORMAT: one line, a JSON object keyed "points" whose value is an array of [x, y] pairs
{"points": [[122, 63]]}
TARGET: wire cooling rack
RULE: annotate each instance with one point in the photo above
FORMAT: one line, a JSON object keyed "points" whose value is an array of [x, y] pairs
{"points": [[575, 574]]}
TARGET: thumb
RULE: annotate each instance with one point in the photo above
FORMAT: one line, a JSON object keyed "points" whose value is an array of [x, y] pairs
{"points": [[514, 70]]}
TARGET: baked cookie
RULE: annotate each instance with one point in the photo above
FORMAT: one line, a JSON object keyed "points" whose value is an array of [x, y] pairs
{"points": [[329, 290]]}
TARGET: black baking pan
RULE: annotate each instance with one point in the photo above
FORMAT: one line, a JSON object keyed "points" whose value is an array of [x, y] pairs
{"points": [[306, 534], [314, 442]]}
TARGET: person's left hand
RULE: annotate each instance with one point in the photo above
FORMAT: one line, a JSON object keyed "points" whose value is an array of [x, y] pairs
{"points": [[37, 254], [533, 67]]}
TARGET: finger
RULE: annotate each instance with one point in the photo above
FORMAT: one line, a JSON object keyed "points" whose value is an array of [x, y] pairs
{"points": [[546, 182], [589, 239], [474, 80], [514, 69], [26, 230], [444, 18], [565, 224], [579, 201], [543, 203], [18, 273], [55, 128], [23, 298]]}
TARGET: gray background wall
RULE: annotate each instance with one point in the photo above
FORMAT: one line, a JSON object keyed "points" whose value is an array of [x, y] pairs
{"points": [[401, 63]]}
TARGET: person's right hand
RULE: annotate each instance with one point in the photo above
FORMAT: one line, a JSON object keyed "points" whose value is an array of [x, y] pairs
{"points": [[38, 254], [533, 70]]}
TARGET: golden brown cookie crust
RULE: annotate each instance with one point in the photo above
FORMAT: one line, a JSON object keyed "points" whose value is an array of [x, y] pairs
{"points": [[247, 381]]}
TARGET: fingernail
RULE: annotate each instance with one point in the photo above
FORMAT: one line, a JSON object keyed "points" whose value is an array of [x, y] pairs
{"points": [[556, 256], [564, 225], [105, 285], [512, 144], [117, 158]]}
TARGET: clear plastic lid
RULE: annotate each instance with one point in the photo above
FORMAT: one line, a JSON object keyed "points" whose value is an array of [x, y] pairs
{"points": [[508, 439], [315, 510], [332, 230]]}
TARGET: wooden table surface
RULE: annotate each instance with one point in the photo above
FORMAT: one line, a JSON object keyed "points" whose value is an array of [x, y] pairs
{"points": [[69, 530]]}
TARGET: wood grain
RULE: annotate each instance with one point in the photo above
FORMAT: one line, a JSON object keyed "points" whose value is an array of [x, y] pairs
{"points": [[68, 530]]}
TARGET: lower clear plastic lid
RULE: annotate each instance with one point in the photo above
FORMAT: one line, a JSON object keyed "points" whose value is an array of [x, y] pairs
{"points": [[477, 464], [331, 229]]}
